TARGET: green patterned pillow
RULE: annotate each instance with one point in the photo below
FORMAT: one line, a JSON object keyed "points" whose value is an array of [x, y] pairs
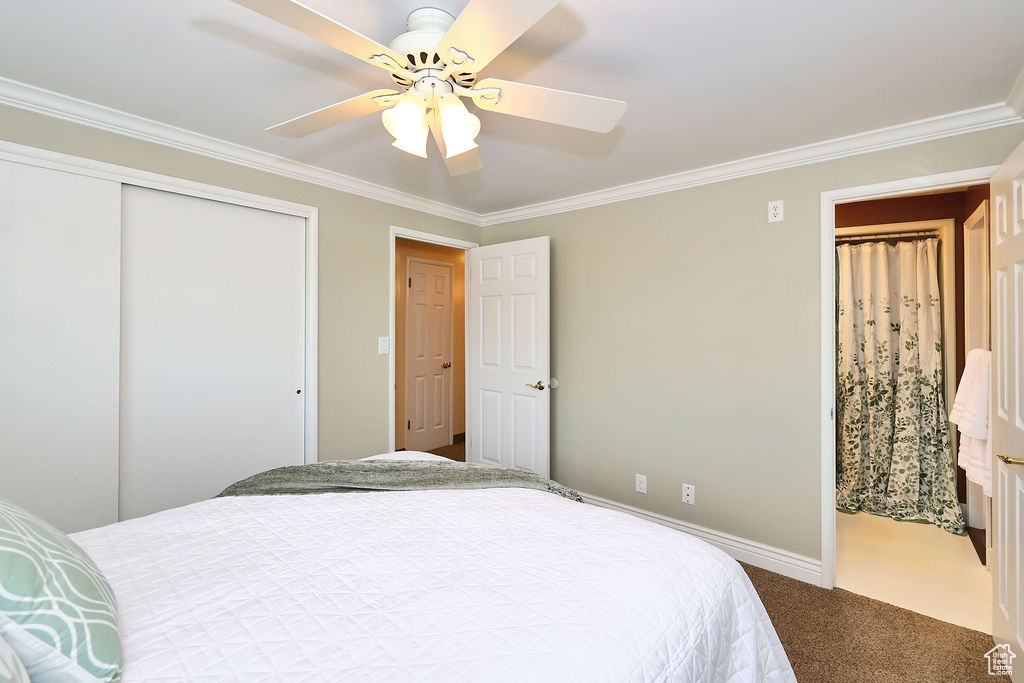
{"points": [[57, 610]]}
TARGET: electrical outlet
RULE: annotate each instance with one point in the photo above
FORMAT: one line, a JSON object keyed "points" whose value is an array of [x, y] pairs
{"points": [[689, 494], [641, 483], [775, 211]]}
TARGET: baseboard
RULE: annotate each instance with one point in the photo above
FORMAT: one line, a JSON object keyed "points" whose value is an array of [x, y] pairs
{"points": [[758, 554], [459, 438]]}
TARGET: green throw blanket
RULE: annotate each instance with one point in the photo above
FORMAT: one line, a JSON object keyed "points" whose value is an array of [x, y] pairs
{"points": [[390, 475]]}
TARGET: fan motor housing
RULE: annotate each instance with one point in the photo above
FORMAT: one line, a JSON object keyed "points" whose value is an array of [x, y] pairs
{"points": [[426, 28]]}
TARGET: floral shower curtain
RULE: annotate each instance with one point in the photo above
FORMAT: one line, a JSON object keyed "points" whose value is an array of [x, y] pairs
{"points": [[895, 456]]}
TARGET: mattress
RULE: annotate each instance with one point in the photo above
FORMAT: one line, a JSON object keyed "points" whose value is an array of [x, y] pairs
{"points": [[463, 585]]}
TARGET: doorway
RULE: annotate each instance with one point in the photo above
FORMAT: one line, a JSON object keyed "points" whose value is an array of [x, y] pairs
{"points": [[428, 328], [874, 554], [507, 308]]}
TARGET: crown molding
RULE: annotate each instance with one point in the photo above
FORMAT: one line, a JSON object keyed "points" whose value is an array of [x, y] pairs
{"points": [[1015, 100], [31, 98], [947, 125]]}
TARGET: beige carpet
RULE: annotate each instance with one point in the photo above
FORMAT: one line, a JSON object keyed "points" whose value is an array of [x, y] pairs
{"points": [[841, 636]]}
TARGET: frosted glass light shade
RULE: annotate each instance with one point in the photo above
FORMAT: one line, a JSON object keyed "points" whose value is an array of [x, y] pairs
{"points": [[458, 126], [407, 123]]}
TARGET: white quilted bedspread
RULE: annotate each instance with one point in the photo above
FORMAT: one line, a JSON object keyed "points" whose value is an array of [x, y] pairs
{"points": [[484, 585]]}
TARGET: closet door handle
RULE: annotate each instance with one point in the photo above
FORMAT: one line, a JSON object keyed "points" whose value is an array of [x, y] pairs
{"points": [[445, 365], [1011, 460]]}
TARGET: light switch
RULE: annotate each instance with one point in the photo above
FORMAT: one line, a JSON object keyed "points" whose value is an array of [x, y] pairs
{"points": [[383, 346]]}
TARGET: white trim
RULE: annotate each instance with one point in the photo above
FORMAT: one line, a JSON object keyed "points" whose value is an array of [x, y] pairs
{"points": [[431, 238], [312, 403], [947, 125], [978, 220], [31, 98], [758, 554], [826, 264], [58, 161], [1015, 100], [393, 232]]}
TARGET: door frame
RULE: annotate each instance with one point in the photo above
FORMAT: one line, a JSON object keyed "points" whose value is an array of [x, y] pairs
{"points": [[977, 509], [395, 232], [59, 161], [829, 200]]}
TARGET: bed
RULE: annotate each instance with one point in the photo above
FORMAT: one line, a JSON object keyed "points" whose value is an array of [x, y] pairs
{"points": [[456, 585]]}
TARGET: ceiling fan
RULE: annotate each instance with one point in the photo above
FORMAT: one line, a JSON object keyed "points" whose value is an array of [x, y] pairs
{"points": [[435, 63]]}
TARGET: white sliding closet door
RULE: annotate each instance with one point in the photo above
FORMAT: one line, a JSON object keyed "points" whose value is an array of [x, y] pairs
{"points": [[212, 347], [60, 237]]}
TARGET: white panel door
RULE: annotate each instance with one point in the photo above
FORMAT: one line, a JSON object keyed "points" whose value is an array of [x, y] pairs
{"points": [[428, 355], [212, 347], [60, 241], [510, 355], [1007, 203]]}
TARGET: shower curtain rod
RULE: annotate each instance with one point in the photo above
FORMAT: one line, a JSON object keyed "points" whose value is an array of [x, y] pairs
{"points": [[887, 236]]}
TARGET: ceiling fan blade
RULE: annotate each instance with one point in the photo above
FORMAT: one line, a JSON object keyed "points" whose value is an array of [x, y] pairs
{"points": [[467, 162], [321, 119], [545, 104], [485, 28], [326, 30]]}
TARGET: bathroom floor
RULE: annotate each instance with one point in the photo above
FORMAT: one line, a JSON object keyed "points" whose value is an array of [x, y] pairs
{"points": [[915, 566]]}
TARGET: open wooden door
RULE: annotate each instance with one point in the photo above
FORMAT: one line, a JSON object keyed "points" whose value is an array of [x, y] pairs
{"points": [[1007, 429], [509, 355]]}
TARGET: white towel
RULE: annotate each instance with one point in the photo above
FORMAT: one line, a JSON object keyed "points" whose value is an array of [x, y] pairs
{"points": [[971, 415], [970, 407], [976, 458]]}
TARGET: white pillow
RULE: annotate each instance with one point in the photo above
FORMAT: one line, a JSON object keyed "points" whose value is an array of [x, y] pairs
{"points": [[11, 668]]}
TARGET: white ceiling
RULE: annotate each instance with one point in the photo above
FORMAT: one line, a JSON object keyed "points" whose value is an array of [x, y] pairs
{"points": [[706, 82]]}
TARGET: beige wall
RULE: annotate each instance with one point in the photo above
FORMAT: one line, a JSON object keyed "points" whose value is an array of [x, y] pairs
{"points": [[685, 328], [405, 249], [686, 341], [354, 273]]}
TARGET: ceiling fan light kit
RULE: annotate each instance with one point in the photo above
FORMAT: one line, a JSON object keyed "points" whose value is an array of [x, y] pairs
{"points": [[407, 123], [458, 127], [435, 62]]}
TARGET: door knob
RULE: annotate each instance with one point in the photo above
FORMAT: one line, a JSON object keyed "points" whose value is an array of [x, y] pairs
{"points": [[539, 386], [1010, 460], [445, 365]]}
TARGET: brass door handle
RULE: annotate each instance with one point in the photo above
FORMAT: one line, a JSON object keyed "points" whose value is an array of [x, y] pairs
{"points": [[1010, 460], [445, 365], [539, 386]]}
